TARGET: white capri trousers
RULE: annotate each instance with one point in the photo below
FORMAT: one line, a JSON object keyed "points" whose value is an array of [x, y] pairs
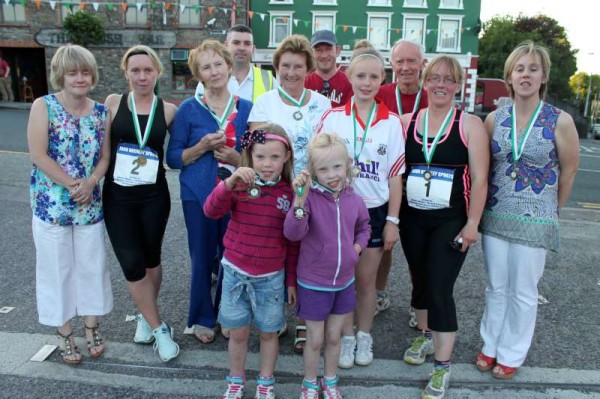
{"points": [[511, 299], [72, 277]]}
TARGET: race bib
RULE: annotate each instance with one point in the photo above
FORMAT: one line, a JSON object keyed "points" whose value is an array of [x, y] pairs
{"points": [[429, 194], [134, 166]]}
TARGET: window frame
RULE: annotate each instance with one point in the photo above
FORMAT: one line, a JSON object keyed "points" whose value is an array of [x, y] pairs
{"points": [[446, 7], [453, 18], [316, 14], [370, 4], [319, 3], [410, 16], [189, 8], [144, 9], [380, 15], [278, 14], [281, 1], [15, 21], [423, 4]]}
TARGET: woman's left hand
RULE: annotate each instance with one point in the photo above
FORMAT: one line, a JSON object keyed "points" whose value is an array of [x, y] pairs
{"points": [[469, 236], [82, 190], [227, 155], [391, 235]]}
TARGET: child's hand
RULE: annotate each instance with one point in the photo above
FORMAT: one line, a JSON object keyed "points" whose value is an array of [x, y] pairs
{"points": [[291, 297], [357, 248], [301, 184], [241, 175]]}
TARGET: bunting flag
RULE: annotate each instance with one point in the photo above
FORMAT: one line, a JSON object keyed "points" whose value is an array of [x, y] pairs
{"points": [[168, 5], [181, 8], [139, 6], [7, 2], [345, 28], [262, 16], [250, 14], [124, 7], [225, 10], [153, 5], [52, 4], [82, 6], [38, 4], [354, 28], [109, 6], [210, 10], [96, 6], [296, 22]]}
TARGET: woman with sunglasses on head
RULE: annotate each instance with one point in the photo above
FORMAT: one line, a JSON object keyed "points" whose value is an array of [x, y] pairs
{"points": [[447, 158]]}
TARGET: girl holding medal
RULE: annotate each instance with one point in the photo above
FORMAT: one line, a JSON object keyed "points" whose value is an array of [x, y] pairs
{"points": [[373, 137], [204, 144], [136, 196], [332, 223], [447, 159], [535, 155], [258, 259]]}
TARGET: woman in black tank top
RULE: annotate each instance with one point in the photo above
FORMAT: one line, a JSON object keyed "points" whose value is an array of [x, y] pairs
{"points": [[136, 197], [447, 158]]}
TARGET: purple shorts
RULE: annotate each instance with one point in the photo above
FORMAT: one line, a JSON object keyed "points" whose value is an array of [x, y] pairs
{"points": [[316, 305]]}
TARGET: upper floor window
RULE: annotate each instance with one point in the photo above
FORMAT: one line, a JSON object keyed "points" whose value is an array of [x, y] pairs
{"points": [[457, 4], [384, 3], [415, 3], [281, 27], [324, 20], [413, 27], [325, 2], [138, 15], [281, 1], [12, 13], [378, 29], [188, 15], [449, 33]]}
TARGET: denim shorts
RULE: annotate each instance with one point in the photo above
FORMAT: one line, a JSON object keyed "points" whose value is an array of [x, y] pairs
{"points": [[256, 300]]}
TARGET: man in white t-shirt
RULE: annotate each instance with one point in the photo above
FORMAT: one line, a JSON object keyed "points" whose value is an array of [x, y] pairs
{"points": [[247, 81]]}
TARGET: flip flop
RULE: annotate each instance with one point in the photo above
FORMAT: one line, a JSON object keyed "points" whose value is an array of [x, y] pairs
{"points": [[299, 341], [204, 334]]}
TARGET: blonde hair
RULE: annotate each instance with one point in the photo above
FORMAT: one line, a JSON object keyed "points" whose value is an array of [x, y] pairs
{"points": [[331, 142], [296, 44], [363, 43], [72, 57], [456, 70], [275, 129], [362, 52], [206, 45], [140, 49], [528, 47]]}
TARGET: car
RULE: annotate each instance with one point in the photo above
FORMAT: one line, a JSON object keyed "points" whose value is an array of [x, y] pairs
{"points": [[596, 131]]}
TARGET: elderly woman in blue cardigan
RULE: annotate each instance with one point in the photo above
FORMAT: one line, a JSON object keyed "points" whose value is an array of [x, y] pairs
{"points": [[205, 145]]}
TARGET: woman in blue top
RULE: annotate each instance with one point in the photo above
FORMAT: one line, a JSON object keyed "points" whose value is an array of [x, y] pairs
{"points": [[69, 147], [205, 145]]}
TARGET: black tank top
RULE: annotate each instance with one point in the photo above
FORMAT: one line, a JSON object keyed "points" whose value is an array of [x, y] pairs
{"points": [[450, 153], [122, 130]]}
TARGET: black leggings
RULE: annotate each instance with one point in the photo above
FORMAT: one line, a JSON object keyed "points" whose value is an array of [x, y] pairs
{"points": [[136, 226], [434, 266]]}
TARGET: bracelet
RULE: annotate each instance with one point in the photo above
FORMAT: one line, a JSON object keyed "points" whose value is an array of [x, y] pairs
{"points": [[94, 177], [393, 219]]}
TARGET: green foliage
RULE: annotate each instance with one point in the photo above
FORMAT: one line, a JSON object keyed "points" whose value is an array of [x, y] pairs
{"points": [[84, 29], [503, 34]]}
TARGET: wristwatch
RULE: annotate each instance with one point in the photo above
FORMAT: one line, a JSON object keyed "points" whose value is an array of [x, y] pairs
{"points": [[393, 219], [299, 212]]}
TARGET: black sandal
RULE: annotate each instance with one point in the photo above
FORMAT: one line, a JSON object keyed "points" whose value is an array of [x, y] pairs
{"points": [[97, 341], [68, 349]]}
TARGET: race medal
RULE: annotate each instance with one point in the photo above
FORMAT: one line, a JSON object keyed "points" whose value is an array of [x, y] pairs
{"points": [[514, 174], [299, 213], [427, 175], [254, 192], [142, 160], [298, 103], [298, 115], [356, 171], [517, 145], [142, 139]]}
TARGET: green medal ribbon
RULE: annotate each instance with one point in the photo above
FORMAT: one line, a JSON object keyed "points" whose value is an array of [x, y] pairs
{"points": [[399, 101], [519, 145], [142, 140], [315, 184], [367, 126], [261, 183], [297, 103], [223, 119], [300, 191], [429, 150]]}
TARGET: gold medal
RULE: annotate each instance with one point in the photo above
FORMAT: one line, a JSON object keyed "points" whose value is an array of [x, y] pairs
{"points": [[514, 174], [142, 160]]}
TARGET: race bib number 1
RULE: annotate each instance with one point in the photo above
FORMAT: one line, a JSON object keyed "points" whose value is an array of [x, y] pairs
{"points": [[432, 193], [134, 166]]}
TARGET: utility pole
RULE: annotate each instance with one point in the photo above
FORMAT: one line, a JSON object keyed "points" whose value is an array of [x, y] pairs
{"points": [[587, 98]]}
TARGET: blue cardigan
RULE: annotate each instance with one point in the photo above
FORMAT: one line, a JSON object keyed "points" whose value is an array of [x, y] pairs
{"points": [[192, 122]]}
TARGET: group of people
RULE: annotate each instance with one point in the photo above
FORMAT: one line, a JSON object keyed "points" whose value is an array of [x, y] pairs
{"points": [[298, 187]]}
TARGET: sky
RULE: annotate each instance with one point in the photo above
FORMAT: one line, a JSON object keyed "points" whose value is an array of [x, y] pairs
{"points": [[580, 19]]}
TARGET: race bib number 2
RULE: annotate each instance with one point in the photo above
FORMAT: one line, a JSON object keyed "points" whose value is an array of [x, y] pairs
{"points": [[432, 193], [135, 166]]}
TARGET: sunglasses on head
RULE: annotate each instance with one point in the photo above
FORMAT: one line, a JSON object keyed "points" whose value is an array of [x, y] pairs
{"points": [[326, 88]]}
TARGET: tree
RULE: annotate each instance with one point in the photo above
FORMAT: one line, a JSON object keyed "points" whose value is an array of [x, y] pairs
{"points": [[84, 29], [503, 34]]}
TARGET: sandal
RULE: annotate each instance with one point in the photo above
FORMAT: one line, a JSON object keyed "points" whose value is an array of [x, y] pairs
{"points": [[298, 340], [204, 334], [69, 352], [503, 372], [96, 345], [484, 363], [226, 333]]}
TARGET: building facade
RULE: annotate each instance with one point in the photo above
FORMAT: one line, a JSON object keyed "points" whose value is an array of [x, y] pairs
{"points": [[441, 26], [32, 30]]}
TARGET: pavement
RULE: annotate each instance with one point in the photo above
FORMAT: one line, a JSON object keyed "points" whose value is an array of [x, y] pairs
{"points": [[563, 361]]}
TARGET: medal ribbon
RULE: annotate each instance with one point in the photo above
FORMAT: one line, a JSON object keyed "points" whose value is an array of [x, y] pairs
{"points": [[399, 101], [291, 99], [142, 140], [519, 145], [260, 183], [223, 119], [367, 126], [315, 184], [428, 150]]}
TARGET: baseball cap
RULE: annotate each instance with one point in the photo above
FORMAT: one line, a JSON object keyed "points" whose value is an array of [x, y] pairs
{"points": [[323, 36]]}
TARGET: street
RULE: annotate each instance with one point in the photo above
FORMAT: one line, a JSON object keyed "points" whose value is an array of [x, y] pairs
{"points": [[562, 363]]}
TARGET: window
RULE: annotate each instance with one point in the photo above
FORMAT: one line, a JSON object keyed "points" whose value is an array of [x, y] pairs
{"points": [[380, 3], [414, 27], [189, 16], [456, 4], [281, 1], [449, 33], [12, 13], [323, 20], [325, 2], [378, 29], [138, 15], [281, 27], [415, 3]]}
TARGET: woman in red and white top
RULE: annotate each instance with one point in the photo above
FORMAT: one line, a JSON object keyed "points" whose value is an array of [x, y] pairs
{"points": [[374, 139]]}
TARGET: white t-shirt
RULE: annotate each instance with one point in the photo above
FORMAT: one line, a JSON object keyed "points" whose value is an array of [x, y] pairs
{"points": [[270, 108], [382, 156], [244, 90]]}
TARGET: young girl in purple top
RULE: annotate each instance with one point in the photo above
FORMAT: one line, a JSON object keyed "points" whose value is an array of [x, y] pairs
{"points": [[332, 223]]}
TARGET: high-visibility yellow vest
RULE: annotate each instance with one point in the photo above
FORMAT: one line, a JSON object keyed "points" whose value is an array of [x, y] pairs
{"points": [[260, 77]]}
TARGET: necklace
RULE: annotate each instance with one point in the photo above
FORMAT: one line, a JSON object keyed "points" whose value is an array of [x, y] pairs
{"points": [[518, 143]]}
